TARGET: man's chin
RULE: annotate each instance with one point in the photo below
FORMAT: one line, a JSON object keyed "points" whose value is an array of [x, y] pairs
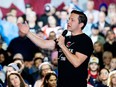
{"points": [[68, 29]]}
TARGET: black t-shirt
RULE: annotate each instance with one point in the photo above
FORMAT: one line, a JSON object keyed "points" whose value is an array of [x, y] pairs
{"points": [[68, 75], [24, 46], [110, 47]]}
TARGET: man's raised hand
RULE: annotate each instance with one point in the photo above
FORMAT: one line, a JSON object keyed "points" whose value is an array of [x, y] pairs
{"points": [[24, 28]]}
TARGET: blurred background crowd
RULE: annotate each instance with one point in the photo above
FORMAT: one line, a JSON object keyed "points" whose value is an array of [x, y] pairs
{"points": [[48, 18]]}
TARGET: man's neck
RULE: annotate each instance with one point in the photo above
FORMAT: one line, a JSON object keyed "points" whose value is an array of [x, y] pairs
{"points": [[76, 32]]}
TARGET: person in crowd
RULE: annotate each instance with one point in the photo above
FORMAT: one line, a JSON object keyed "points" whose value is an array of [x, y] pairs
{"points": [[50, 80], [113, 27], [14, 79], [98, 52], [93, 70], [112, 64], [23, 69], [43, 69], [87, 29], [34, 69], [110, 44], [74, 51], [1, 83], [102, 78], [50, 26], [54, 61], [9, 68], [13, 11], [4, 58], [63, 19], [8, 29], [2, 77], [39, 54], [28, 9], [90, 9], [18, 59], [17, 45], [111, 12], [74, 4], [41, 34], [95, 36], [49, 11], [104, 8], [107, 56], [112, 18], [47, 52], [112, 79], [52, 35], [12, 67], [32, 21], [102, 24], [20, 19]]}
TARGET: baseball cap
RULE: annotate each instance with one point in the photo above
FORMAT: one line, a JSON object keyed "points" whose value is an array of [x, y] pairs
{"points": [[94, 60], [14, 65], [94, 26], [48, 7]]}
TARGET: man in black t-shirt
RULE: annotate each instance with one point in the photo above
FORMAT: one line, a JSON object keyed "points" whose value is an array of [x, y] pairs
{"points": [[70, 75], [73, 53]]}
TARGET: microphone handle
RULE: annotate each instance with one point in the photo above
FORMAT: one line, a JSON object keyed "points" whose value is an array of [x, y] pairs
{"points": [[63, 34]]}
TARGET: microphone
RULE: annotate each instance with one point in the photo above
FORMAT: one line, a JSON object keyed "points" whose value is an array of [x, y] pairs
{"points": [[64, 33]]}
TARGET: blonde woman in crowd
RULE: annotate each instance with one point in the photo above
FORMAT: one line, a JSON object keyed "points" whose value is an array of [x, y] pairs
{"points": [[112, 79], [111, 11], [107, 56], [98, 52], [14, 79], [112, 64]]}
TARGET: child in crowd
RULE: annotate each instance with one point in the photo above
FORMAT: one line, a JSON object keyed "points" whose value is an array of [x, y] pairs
{"points": [[93, 70]]}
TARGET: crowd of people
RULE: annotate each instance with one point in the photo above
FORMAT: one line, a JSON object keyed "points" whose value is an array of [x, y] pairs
{"points": [[24, 64]]}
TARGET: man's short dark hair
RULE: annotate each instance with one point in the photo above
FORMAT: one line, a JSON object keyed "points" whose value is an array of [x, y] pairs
{"points": [[82, 17]]}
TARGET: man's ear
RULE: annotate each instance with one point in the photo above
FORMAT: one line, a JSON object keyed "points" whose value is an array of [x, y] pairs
{"points": [[81, 25]]}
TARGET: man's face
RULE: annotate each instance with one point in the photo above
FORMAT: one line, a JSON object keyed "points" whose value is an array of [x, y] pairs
{"points": [[73, 22]]}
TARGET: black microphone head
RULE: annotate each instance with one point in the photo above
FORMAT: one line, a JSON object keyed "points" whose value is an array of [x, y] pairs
{"points": [[64, 33]]}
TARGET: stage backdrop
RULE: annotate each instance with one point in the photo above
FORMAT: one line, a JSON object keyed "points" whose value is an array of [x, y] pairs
{"points": [[38, 5]]}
